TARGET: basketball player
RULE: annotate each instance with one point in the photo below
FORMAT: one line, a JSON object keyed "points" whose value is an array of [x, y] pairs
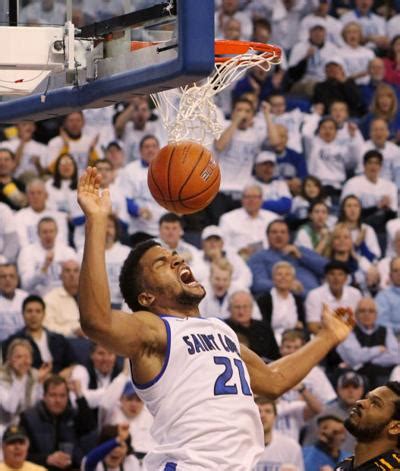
{"points": [[375, 422], [192, 374]]}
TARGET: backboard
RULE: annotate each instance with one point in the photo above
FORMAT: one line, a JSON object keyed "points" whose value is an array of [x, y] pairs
{"points": [[63, 55]]}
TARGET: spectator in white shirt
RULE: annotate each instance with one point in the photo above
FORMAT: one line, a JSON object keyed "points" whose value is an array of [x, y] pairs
{"points": [[61, 188], [355, 56], [279, 449], [62, 312], [11, 299], [170, 237], [218, 289], [228, 10], [276, 194], [214, 249], [307, 60], [321, 13], [378, 196], [145, 212], [9, 243], [384, 263], [75, 140], [39, 264], [30, 155], [26, 220], [364, 238], [236, 150], [134, 123], [280, 308], [245, 228], [379, 140], [373, 26], [334, 293], [329, 159]]}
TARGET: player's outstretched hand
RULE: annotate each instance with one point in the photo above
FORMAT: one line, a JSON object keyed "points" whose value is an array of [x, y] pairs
{"points": [[337, 324], [90, 199]]}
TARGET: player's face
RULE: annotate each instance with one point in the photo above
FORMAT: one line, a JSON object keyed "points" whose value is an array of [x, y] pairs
{"points": [[8, 280], [103, 360], [371, 418], [168, 281], [267, 415], [20, 360], [352, 210]]}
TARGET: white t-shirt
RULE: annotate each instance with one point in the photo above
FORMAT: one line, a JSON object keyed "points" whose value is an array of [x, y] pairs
{"points": [[356, 59], [59, 198], [237, 159], [370, 193], [292, 120], [333, 28], [393, 26], [7, 226], [11, 318], [115, 257], [31, 149], [318, 296], [99, 121], [240, 229], [132, 137], [284, 314], [392, 227], [371, 24], [281, 450]]}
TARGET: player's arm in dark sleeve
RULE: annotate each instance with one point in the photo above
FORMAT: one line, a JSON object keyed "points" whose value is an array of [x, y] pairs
{"points": [[274, 379]]}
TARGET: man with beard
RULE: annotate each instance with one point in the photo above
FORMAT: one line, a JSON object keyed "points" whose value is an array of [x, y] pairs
{"points": [[191, 373], [375, 423]]}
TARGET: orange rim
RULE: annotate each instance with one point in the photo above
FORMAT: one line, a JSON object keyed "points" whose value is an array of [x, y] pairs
{"points": [[231, 48]]}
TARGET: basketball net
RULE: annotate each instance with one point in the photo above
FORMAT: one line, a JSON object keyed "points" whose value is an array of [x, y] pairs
{"points": [[189, 112]]}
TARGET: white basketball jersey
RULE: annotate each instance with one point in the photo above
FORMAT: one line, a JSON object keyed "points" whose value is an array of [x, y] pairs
{"points": [[204, 413]]}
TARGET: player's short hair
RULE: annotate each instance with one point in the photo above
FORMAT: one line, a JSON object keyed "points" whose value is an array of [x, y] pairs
{"points": [[293, 334], [394, 386], [372, 154], [33, 298], [130, 278], [262, 400], [170, 217]]}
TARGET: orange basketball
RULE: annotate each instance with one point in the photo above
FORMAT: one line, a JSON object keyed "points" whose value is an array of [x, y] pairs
{"points": [[184, 177]]}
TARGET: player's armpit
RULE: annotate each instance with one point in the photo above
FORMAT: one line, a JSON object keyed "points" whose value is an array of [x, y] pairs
{"points": [[130, 335]]}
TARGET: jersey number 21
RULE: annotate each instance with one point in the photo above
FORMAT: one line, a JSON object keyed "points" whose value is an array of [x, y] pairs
{"points": [[221, 387]]}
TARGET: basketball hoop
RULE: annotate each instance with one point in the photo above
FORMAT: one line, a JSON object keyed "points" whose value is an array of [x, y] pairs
{"points": [[189, 113]]}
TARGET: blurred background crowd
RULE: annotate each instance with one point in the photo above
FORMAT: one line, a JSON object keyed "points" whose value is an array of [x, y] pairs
{"points": [[307, 214]]}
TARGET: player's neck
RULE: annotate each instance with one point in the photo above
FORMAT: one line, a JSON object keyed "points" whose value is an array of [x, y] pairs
{"points": [[177, 311], [366, 451]]}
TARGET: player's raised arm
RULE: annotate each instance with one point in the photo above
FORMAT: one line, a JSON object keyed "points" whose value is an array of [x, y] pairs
{"points": [[98, 321], [274, 379]]}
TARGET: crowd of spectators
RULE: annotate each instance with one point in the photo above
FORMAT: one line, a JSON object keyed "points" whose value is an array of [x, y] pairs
{"points": [[306, 215]]}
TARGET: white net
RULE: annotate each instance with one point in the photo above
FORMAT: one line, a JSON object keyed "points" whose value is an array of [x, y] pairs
{"points": [[189, 112]]}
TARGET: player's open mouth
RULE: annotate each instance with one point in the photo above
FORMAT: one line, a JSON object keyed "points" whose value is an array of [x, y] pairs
{"points": [[355, 411], [187, 277]]}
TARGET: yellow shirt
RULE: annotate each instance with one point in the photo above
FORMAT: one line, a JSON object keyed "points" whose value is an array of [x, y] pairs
{"points": [[27, 466]]}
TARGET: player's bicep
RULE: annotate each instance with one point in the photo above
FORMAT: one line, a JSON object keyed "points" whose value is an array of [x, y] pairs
{"points": [[263, 379], [129, 334]]}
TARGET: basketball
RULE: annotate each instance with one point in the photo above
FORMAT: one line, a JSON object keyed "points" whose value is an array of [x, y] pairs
{"points": [[184, 177]]}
